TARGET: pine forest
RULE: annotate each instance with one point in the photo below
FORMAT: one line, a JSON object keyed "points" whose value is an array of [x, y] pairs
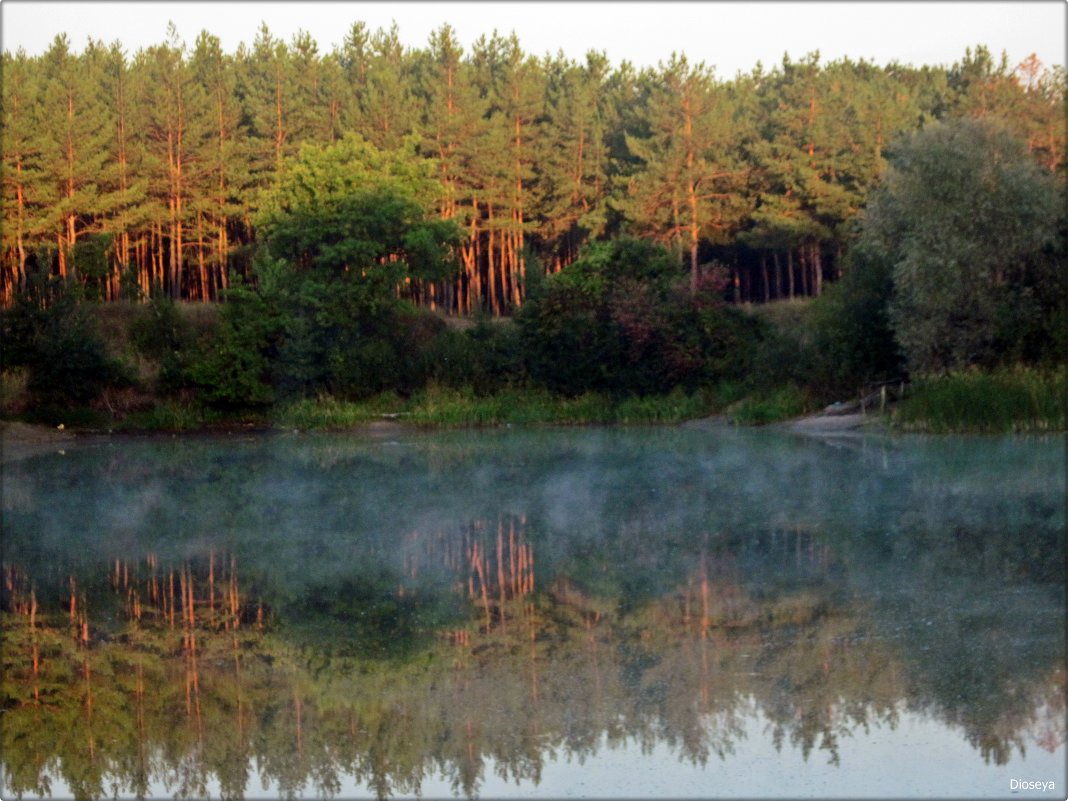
{"points": [[147, 173]]}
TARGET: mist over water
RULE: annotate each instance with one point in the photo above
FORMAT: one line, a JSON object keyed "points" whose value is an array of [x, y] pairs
{"points": [[467, 612]]}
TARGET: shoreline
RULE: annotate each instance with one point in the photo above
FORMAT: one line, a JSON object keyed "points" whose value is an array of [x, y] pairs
{"points": [[19, 440]]}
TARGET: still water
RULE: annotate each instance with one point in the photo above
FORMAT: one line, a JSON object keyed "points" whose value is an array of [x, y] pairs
{"points": [[559, 612]]}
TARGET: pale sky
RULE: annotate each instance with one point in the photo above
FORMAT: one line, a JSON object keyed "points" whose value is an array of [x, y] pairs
{"points": [[731, 36]]}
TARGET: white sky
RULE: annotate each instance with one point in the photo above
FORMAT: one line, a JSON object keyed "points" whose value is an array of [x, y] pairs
{"points": [[732, 36]]}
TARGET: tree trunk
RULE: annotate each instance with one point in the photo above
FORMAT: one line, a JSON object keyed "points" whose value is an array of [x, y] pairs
{"points": [[764, 275], [778, 274]]}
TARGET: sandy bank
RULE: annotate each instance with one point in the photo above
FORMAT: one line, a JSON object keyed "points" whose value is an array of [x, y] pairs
{"points": [[19, 440]]}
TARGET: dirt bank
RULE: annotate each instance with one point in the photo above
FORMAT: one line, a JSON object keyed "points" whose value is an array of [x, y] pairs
{"points": [[835, 424], [19, 440]]}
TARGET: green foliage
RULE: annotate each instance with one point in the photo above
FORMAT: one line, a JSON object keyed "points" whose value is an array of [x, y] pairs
{"points": [[1018, 399], [486, 358], [853, 341], [618, 320], [351, 208], [345, 226], [782, 346], [90, 254], [162, 334], [963, 216], [438, 405], [326, 411], [773, 407], [233, 370], [50, 331]]}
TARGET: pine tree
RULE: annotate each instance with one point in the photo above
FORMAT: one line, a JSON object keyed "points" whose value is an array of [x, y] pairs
{"points": [[124, 171], [390, 113], [75, 129], [573, 156], [222, 179], [453, 132], [21, 171], [175, 123], [689, 185]]}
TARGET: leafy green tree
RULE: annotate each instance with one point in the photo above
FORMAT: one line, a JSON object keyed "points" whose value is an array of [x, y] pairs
{"points": [[345, 230], [350, 208], [964, 216]]}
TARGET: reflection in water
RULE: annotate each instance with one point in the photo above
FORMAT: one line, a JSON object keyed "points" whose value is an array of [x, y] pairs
{"points": [[199, 617]]}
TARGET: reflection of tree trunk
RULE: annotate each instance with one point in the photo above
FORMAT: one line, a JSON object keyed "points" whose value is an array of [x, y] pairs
{"points": [[73, 602], [500, 566], [533, 655], [87, 673], [478, 566], [511, 556], [154, 587], [170, 597], [298, 710], [33, 641], [235, 600], [192, 688]]}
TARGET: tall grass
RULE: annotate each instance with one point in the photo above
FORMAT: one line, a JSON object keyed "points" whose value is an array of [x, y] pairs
{"points": [[328, 412], [1017, 399], [438, 406], [771, 407]]}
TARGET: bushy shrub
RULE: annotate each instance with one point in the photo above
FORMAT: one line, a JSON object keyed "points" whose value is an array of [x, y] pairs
{"points": [[620, 320], [50, 331], [161, 334], [853, 341], [233, 368], [485, 358]]}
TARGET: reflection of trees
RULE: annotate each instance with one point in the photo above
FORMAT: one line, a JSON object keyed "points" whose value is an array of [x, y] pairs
{"points": [[457, 602], [178, 673]]}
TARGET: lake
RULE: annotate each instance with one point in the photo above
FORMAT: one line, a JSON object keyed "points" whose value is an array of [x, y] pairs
{"points": [[592, 612]]}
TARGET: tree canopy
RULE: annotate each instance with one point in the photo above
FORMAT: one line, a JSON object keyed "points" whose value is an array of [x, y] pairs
{"points": [[155, 172], [963, 216]]}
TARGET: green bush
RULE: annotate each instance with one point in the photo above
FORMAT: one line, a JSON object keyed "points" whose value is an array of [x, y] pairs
{"points": [[782, 349], [619, 320], [51, 332], [772, 407], [485, 358], [853, 342], [233, 368], [162, 334]]}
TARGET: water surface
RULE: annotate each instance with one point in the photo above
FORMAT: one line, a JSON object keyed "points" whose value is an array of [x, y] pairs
{"points": [[586, 612]]}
